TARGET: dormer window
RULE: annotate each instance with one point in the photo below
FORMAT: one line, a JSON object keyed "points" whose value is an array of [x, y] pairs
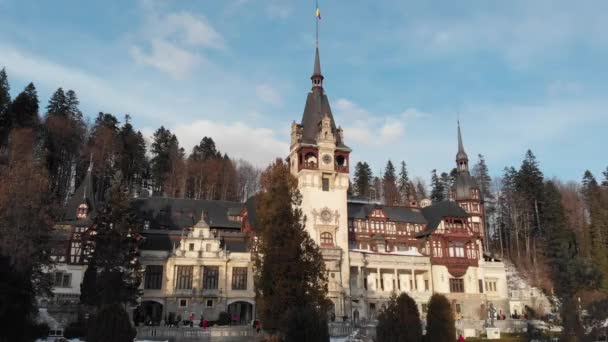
{"points": [[82, 212]]}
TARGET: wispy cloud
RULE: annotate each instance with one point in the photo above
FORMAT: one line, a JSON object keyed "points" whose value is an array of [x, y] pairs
{"points": [[364, 127], [173, 43], [268, 94]]}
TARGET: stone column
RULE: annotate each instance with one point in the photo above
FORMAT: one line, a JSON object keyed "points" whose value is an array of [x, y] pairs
{"points": [[397, 287], [414, 285]]}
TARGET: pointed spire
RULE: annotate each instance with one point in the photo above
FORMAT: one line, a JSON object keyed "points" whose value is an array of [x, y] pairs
{"points": [[462, 160], [317, 70], [317, 77]]}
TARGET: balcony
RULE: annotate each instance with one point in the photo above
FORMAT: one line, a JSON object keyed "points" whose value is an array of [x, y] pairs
{"points": [[309, 165], [332, 253], [342, 168]]}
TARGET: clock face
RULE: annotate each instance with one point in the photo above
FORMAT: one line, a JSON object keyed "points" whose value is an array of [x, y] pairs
{"points": [[326, 215], [326, 158]]}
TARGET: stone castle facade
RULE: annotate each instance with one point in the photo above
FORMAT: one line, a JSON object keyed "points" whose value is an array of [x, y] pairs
{"points": [[196, 260]]}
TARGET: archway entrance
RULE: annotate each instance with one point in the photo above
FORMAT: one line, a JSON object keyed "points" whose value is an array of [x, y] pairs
{"points": [[148, 313], [240, 312]]}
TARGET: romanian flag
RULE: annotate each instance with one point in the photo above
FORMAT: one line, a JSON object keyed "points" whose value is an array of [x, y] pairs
{"points": [[318, 13]]}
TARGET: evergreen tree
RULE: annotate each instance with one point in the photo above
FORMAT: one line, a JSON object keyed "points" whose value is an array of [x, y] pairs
{"points": [[399, 321], [362, 179], [132, 162], [569, 272], [63, 137], [295, 275], [167, 164], [447, 183], [597, 229], [114, 254], [482, 174], [102, 148], [389, 182], [306, 324], [405, 190], [437, 188], [420, 190], [24, 109], [440, 325], [5, 103], [111, 323]]}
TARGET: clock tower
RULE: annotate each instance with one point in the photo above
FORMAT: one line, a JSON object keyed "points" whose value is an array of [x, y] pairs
{"points": [[319, 159]]}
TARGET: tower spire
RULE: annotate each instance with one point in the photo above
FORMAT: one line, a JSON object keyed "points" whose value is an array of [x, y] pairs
{"points": [[462, 160], [317, 77]]}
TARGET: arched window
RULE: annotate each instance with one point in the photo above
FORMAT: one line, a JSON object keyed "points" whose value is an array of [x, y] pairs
{"points": [[327, 239]]}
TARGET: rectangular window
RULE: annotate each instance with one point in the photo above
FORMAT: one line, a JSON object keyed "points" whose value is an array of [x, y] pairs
{"points": [[491, 285], [480, 286], [183, 279], [325, 183], [62, 279], [239, 278], [191, 247], [209, 303], [456, 250], [153, 277], [426, 284], [456, 285], [183, 303], [210, 276]]}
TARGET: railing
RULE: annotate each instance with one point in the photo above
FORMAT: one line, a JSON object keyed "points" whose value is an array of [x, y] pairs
{"points": [[309, 166], [342, 168], [178, 334]]}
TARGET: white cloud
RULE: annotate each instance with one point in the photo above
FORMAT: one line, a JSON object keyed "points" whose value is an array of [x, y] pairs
{"points": [[168, 58], [107, 96], [364, 127], [193, 30], [175, 41], [268, 94], [239, 140]]}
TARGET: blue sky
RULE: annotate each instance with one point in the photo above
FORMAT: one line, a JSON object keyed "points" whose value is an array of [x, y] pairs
{"points": [[519, 74]]}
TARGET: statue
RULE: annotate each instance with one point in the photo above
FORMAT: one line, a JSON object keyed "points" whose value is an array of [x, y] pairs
{"points": [[337, 217], [492, 313]]}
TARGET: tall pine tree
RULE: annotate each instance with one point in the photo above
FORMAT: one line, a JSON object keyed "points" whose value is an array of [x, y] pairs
{"points": [[389, 182], [132, 160], [482, 174], [289, 268], [113, 275], [569, 272], [405, 191], [362, 179], [24, 109], [64, 132], [597, 228], [437, 188]]}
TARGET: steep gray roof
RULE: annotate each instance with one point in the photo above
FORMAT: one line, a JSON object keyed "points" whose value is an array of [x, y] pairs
{"points": [[463, 184], [435, 213], [395, 214], [180, 213], [317, 105]]}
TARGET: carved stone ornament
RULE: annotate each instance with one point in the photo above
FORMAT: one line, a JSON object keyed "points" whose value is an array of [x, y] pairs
{"points": [[326, 215]]}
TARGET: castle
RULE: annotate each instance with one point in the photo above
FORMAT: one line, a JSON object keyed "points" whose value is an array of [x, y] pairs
{"points": [[195, 255]]}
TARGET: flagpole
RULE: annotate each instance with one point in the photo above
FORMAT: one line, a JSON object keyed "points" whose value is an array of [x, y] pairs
{"points": [[317, 24]]}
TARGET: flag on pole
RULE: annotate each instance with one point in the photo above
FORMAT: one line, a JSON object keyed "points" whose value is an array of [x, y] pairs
{"points": [[318, 13]]}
